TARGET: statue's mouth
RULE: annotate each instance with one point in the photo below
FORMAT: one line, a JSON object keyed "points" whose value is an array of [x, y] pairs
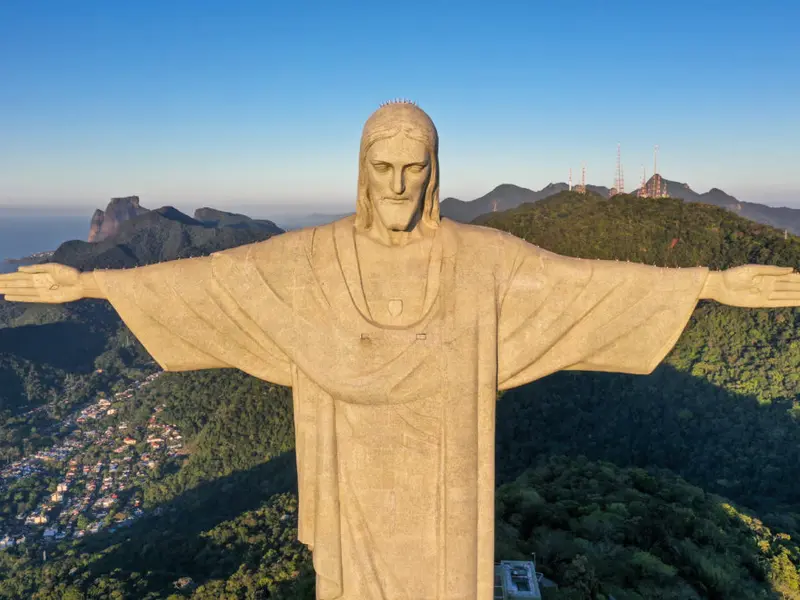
{"points": [[396, 200]]}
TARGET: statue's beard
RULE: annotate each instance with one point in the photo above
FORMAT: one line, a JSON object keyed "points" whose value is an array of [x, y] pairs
{"points": [[398, 213]]}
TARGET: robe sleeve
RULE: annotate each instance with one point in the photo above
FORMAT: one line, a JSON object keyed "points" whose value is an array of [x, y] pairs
{"points": [[188, 321], [562, 313]]}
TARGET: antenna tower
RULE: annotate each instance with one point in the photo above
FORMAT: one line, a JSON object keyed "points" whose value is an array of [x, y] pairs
{"points": [[643, 186], [583, 179], [570, 179], [656, 176], [619, 184], [494, 205]]}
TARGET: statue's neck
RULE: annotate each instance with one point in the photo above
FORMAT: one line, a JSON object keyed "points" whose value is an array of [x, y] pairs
{"points": [[369, 247], [390, 238]]}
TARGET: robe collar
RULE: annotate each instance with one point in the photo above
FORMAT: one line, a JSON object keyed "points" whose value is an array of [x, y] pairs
{"points": [[350, 273]]}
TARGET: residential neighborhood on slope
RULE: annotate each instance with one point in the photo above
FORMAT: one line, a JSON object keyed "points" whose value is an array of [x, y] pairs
{"points": [[91, 478]]}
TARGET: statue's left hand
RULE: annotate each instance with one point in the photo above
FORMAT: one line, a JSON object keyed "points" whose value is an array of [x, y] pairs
{"points": [[757, 286]]}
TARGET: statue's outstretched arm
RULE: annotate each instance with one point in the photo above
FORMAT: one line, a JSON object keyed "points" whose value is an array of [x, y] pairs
{"points": [[49, 283], [183, 316], [754, 286]]}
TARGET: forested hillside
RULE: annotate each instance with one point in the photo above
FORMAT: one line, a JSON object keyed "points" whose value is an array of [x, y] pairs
{"points": [[678, 485], [600, 531], [725, 402]]}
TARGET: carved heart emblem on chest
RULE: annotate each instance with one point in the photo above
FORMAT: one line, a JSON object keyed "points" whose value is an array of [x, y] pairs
{"points": [[395, 307]]}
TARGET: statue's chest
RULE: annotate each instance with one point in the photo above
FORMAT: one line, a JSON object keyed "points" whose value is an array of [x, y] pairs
{"points": [[395, 293]]}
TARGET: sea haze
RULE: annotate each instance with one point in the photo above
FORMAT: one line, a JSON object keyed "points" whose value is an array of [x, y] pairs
{"points": [[22, 235]]}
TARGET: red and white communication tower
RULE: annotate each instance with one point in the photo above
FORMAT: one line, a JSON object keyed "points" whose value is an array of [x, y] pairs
{"points": [[643, 186], [659, 189]]}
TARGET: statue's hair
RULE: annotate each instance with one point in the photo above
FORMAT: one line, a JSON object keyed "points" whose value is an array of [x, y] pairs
{"points": [[390, 119]]}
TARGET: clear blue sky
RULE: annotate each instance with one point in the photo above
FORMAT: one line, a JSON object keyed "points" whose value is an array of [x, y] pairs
{"points": [[194, 102]]}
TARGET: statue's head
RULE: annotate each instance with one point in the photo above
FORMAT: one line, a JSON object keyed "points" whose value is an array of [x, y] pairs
{"points": [[398, 169]]}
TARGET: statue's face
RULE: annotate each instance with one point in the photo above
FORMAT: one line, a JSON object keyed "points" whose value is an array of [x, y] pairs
{"points": [[398, 171]]}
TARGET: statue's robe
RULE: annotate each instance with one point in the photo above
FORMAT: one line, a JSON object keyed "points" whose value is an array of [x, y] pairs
{"points": [[395, 426]]}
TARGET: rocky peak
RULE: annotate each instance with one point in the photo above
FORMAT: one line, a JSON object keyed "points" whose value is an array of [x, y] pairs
{"points": [[106, 223]]}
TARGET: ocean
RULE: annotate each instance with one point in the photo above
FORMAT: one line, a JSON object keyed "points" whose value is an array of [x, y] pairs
{"points": [[22, 235]]}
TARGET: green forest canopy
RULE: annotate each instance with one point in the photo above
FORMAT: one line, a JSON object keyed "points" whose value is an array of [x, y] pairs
{"points": [[581, 457]]}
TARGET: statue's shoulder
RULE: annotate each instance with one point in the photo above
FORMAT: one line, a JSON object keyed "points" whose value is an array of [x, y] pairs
{"points": [[294, 244], [286, 243], [480, 239]]}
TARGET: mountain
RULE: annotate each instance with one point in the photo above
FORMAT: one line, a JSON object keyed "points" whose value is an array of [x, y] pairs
{"points": [[779, 217], [165, 234], [503, 197], [218, 218], [508, 196], [43, 346], [581, 457], [106, 223]]}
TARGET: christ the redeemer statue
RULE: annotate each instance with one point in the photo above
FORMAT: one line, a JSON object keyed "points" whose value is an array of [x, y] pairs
{"points": [[396, 328]]}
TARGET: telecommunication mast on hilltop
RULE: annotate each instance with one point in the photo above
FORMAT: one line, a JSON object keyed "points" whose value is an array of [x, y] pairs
{"points": [[656, 187], [657, 184], [581, 189], [662, 183], [570, 179], [655, 192], [642, 193], [619, 182]]}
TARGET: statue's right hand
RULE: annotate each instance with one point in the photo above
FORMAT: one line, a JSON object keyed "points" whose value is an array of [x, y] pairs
{"points": [[48, 283]]}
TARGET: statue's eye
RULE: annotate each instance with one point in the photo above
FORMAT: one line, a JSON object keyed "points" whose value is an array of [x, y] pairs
{"points": [[380, 167], [416, 168]]}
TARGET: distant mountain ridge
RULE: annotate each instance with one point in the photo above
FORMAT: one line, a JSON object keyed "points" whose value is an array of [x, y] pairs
{"points": [[779, 217], [106, 223], [504, 197], [508, 196], [164, 234], [219, 218]]}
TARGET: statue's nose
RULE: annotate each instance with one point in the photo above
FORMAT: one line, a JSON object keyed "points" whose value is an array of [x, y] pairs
{"points": [[398, 182]]}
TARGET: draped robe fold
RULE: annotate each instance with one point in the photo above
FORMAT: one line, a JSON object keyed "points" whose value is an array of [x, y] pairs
{"points": [[395, 425]]}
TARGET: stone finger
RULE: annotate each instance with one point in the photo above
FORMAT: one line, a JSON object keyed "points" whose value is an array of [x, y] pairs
{"points": [[14, 277], [18, 291]]}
